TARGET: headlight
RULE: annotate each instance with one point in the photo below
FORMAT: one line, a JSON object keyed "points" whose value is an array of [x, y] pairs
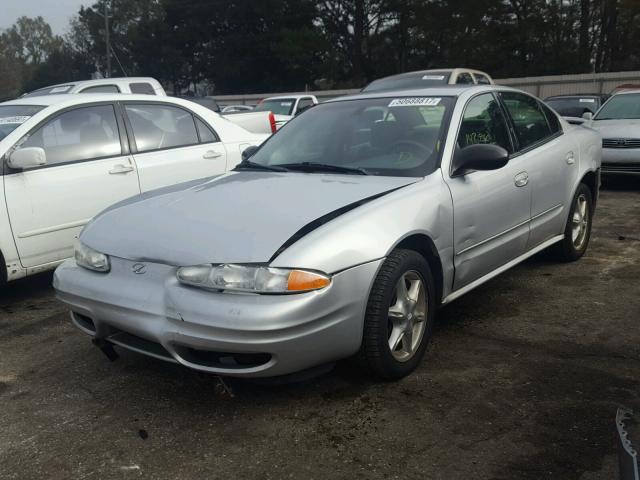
{"points": [[241, 278], [88, 258]]}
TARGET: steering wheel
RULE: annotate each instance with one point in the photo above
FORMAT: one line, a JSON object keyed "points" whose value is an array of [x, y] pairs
{"points": [[416, 149]]}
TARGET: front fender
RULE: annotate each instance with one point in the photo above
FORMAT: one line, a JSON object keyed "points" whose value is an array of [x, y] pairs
{"points": [[374, 229]]}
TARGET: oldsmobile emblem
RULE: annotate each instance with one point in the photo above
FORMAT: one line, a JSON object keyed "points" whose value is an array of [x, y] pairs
{"points": [[139, 268]]}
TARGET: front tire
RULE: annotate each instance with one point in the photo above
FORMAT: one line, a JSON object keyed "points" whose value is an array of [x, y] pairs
{"points": [[399, 316], [577, 230]]}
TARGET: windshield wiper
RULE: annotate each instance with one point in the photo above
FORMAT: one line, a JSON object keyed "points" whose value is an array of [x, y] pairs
{"points": [[249, 165], [324, 167]]}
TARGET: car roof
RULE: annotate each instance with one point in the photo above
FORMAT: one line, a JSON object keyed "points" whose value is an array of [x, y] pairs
{"points": [[625, 92], [78, 99], [576, 95], [439, 91], [99, 81], [297, 95], [433, 71]]}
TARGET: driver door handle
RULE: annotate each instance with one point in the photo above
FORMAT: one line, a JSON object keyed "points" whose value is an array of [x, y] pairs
{"points": [[117, 169], [212, 154], [521, 179]]}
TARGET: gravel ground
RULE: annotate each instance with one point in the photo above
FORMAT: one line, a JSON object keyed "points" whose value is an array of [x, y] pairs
{"points": [[522, 381]]}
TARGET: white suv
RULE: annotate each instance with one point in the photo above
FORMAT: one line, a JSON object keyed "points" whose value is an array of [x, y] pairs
{"points": [[65, 158], [136, 85]]}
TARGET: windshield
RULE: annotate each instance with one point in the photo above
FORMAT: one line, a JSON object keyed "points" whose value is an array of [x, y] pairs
{"points": [[382, 136], [12, 116], [280, 106], [406, 82], [625, 106], [573, 106], [57, 90]]}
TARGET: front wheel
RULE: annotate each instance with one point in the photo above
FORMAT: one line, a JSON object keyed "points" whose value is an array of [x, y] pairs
{"points": [[399, 316], [577, 230]]}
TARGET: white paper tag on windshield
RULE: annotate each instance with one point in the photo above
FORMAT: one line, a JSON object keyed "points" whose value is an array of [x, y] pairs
{"points": [[587, 100], [433, 77], [16, 119], [59, 89], [415, 102], [285, 104]]}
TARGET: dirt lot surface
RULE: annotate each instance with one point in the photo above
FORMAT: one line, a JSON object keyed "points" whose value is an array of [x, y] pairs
{"points": [[522, 381]]}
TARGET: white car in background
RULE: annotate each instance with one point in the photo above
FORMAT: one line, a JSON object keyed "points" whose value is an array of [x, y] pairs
{"points": [[65, 158], [139, 85], [236, 108], [286, 107]]}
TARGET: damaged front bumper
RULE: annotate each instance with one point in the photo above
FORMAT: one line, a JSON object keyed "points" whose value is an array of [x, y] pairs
{"points": [[229, 334]]}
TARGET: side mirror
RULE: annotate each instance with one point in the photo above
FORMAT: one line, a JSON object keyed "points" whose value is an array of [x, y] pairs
{"points": [[479, 157], [248, 152], [27, 158], [587, 115]]}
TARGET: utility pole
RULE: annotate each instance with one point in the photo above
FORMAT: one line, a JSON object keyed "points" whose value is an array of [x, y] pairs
{"points": [[106, 39]]}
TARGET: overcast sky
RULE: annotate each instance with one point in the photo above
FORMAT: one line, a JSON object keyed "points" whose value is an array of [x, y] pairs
{"points": [[56, 12]]}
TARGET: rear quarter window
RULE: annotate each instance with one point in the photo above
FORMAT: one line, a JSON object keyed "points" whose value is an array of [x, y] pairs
{"points": [[143, 88]]}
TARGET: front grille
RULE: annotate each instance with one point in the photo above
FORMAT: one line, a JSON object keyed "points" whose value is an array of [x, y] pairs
{"points": [[621, 143]]}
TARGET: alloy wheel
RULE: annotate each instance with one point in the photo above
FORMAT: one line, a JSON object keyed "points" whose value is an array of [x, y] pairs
{"points": [[407, 315]]}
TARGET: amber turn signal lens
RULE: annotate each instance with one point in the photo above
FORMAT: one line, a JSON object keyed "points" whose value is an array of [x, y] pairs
{"points": [[300, 281]]}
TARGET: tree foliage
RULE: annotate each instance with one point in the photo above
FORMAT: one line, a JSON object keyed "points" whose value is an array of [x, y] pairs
{"points": [[243, 46]]}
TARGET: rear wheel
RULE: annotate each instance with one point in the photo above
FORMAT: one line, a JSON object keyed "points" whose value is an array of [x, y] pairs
{"points": [[577, 231], [399, 316]]}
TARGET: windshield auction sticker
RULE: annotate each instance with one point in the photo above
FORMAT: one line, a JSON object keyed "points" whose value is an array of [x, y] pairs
{"points": [[415, 102], [433, 77], [16, 119]]}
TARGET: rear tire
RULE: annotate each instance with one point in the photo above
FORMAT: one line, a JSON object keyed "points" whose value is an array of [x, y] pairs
{"points": [[577, 231], [399, 316]]}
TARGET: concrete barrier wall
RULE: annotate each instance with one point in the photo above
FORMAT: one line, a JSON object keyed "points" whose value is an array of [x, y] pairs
{"points": [[542, 87]]}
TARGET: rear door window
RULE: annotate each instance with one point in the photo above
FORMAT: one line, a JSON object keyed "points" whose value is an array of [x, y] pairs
{"points": [[207, 135], [552, 118], [157, 127], [529, 121]]}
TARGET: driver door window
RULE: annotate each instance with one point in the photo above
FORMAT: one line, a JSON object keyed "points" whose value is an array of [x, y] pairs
{"points": [[81, 134], [484, 122]]}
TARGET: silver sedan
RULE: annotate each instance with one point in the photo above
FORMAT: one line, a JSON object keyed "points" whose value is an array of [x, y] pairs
{"points": [[618, 121], [340, 236]]}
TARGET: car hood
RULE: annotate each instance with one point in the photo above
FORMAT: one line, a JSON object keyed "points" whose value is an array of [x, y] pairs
{"points": [[240, 217], [617, 128]]}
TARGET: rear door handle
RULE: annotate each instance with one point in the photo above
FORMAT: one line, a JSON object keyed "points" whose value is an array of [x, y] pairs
{"points": [[212, 154], [521, 179], [117, 169]]}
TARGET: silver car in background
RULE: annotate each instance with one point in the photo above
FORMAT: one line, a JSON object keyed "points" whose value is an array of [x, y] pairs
{"points": [[618, 121], [340, 236]]}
